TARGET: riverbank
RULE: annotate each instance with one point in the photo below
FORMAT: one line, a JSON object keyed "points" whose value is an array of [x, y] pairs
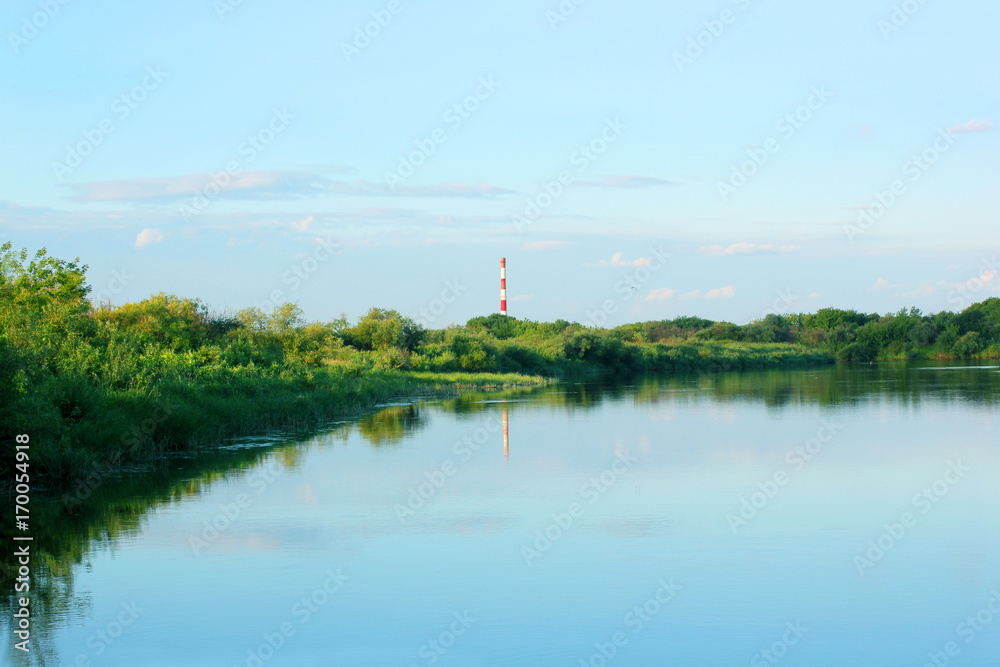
{"points": [[101, 386], [78, 424], [115, 429]]}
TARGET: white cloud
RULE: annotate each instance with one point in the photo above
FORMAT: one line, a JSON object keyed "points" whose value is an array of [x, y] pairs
{"points": [[523, 297], [543, 245], [883, 284], [972, 126], [693, 294], [929, 288], [148, 236], [616, 260], [932, 287], [626, 181], [659, 294], [726, 292], [744, 249], [302, 225]]}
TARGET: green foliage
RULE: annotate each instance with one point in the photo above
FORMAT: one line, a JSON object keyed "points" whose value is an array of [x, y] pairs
{"points": [[42, 282], [380, 329], [471, 353], [831, 318], [82, 378]]}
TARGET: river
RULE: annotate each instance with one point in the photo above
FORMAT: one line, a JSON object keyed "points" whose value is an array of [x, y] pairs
{"points": [[837, 516]]}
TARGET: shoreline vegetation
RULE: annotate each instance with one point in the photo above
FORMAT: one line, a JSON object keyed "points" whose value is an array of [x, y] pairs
{"points": [[103, 387], [98, 513]]}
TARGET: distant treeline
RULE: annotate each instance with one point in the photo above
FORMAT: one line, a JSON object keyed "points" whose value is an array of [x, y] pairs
{"points": [[103, 385], [973, 333]]}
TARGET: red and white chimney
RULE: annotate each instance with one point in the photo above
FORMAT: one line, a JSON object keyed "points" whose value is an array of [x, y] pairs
{"points": [[503, 285]]}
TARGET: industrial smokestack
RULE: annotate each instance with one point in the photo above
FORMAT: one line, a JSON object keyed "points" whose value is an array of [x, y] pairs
{"points": [[503, 285]]}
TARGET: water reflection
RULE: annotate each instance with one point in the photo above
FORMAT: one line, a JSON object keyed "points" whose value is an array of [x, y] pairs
{"points": [[506, 439], [68, 538], [391, 425]]}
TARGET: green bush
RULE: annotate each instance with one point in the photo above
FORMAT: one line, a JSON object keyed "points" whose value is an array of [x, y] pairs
{"points": [[472, 353]]}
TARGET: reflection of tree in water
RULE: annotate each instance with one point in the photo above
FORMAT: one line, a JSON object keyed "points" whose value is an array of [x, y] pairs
{"points": [[843, 384], [66, 539], [390, 425]]}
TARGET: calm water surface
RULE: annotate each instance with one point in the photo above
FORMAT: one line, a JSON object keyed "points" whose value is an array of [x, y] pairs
{"points": [[840, 516]]}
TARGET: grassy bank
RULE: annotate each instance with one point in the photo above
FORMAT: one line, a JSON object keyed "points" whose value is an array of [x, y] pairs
{"points": [[117, 428], [108, 387]]}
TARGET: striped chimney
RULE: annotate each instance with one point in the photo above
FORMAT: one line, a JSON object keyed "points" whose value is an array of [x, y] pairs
{"points": [[503, 285]]}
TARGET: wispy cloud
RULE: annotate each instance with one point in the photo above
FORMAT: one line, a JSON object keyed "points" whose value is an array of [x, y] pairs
{"points": [[660, 294], [744, 249], [15, 216], [263, 185], [862, 131], [246, 185], [726, 292], [148, 236], [302, 225], [627, 181], [882, 284], [543, 245], [616, 260], [987, 279], [928, 288], [972, 126], [693, 294]]}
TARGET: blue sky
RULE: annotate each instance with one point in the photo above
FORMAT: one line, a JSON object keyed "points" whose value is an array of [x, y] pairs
{"points": [[250, 152]]}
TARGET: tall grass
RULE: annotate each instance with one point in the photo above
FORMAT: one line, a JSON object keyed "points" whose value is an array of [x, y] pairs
{"points": [[98, 385]]}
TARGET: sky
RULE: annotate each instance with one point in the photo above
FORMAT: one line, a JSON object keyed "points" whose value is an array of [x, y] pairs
{"points": [[631, 160]]}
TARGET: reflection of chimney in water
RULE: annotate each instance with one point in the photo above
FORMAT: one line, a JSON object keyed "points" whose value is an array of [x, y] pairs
{"points": [[505, 441]]}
